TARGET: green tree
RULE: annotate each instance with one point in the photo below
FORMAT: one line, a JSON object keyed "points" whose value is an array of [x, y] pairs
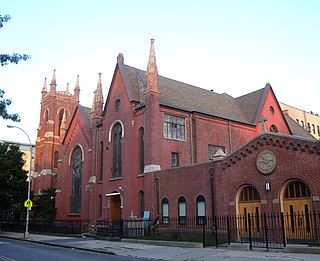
{"points": [[13, 183], [45, 205], [5, 59]]}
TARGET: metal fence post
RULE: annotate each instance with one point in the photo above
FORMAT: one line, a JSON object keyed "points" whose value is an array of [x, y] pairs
{"points": [[121, 228], [228, 229], [216, 230], [266, 229], [203, 234], [283, 231], [249, 228]]}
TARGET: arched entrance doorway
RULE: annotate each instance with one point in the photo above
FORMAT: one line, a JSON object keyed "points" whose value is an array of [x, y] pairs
{"points": [[297, 206], [249, 209]]}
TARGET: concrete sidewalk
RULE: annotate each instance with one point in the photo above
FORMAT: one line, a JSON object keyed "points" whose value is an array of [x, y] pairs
{"points": [[160, 252]]}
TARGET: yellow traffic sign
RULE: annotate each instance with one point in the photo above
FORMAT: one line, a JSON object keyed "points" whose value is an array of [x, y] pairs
{"points": [[28, 203]]}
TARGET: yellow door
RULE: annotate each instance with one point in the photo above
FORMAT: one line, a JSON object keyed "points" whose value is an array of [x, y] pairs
{"points": [[254, 210], [297, 208], [249, 210]]}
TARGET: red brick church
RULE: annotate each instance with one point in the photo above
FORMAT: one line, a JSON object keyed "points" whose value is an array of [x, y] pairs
{"points": [[176, 150]]}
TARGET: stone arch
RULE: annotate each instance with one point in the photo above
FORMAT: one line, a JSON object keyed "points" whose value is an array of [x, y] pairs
{"points": [[71, 151], [111, 127]]}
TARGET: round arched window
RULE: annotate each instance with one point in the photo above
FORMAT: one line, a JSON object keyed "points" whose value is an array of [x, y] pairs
{"points": [[271, 109], [273, 128]]}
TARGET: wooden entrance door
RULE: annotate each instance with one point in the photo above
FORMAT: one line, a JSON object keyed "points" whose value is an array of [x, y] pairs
{"points": [[115, 206], [297, 206], [249, 207]]}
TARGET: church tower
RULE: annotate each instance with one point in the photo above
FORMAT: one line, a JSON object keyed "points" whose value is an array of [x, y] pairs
{"points": [[152, 115], [56, 110]]}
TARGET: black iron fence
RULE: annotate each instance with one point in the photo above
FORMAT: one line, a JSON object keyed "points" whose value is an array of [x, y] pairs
{"points": [[65, 227], [273, 230]]}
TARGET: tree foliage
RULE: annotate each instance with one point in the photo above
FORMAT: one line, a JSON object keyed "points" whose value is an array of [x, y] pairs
{"points": [[45, 205], [4, 103], [13, 184], [5, 59]]}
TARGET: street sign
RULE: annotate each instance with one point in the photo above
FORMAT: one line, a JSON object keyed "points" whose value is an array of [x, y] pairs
{"points": [[28, 203]]}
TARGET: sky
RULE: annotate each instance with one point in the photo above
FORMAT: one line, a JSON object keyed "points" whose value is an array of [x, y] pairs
{"points": [[231, 46]]}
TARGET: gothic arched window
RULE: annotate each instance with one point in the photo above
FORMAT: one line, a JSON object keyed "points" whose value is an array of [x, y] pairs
{"points": [[117, 151], [201, 210], [55, 159], [141, 150], [60, 120], [182, 211], [76, 181], [100, 162]]}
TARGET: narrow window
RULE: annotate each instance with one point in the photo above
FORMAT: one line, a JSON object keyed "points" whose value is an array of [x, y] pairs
{"points": [[141, 150], [174, 159], [201, 210], [76, 181], [182, 211], [99, 207], [271, 109], [165, 211], [313, 129], [141, 202], [309, 129], [60, 120], [100, 162], [117, 151], [55, 159]]}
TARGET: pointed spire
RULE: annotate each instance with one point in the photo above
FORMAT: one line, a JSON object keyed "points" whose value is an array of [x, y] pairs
{"points": [[64, 121], [97, 103], [152, 71], [53, 84], [44, 87], [99, 96], [77, 89]]}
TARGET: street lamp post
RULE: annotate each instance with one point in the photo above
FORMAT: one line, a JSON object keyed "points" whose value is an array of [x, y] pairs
{"points": [[26, 234]]}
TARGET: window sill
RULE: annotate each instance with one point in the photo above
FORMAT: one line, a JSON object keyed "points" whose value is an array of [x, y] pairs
{"points": [[114, 179]]}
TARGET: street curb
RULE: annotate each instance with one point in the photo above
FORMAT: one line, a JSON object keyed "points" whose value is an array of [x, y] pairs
{"points": [[62, 246]]}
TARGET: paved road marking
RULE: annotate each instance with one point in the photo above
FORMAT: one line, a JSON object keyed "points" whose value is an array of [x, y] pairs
{"points": [[4, 258]]}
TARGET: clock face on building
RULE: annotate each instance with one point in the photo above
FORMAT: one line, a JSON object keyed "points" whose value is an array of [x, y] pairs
{"points": [[266, 161]]}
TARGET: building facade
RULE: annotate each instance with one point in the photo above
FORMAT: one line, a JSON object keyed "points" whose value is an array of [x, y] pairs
{"points": [[172, 149], [307, 120]]}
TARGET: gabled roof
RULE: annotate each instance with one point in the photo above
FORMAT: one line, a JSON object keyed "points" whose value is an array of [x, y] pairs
{"points": [[187, 97], [85, 113]]}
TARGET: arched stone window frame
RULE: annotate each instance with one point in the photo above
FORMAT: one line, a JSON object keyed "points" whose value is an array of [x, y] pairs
{"points": [[71, 152], [201, 209], [182, 210], [111, 128], [116, 147], [76, 180], [165, 211]]}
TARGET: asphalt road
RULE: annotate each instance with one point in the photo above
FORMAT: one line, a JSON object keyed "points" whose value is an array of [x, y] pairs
{"points": [[14, 250]]}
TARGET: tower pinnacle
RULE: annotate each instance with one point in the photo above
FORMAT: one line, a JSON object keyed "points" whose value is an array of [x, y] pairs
{"points": [[152, 71]]}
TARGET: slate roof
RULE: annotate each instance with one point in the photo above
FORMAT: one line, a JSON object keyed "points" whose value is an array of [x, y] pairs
{"points": [[296, 129], [187, 97], [85, 112]]}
